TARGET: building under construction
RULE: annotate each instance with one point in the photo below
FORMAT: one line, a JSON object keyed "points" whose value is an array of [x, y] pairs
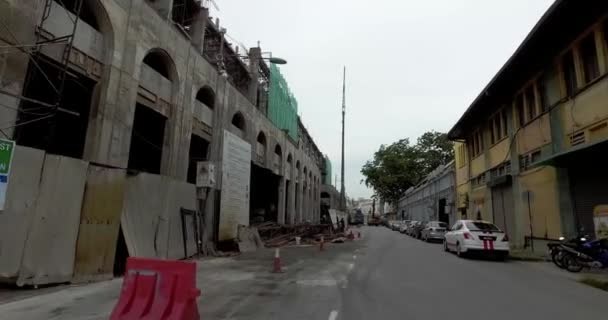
{"points": [[140, 131]]}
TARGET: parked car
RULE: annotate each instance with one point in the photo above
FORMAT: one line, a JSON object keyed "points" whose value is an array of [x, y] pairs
{"points": [[467, 236], [404, 226], [375, 221], [410, 225], [434, 230], [417, 229], [395, 225]]}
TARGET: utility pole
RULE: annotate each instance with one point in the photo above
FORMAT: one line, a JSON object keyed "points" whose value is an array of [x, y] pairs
{"points": [[342, 191]]}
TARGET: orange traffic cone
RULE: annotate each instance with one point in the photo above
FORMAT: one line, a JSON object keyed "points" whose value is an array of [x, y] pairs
{"points": [[277, 262]]}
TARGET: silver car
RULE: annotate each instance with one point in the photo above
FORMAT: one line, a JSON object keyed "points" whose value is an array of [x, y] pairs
{"points": [[434, 230]]}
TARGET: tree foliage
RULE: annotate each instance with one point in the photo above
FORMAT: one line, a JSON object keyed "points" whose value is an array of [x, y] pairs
{"points": [[401, 165]]}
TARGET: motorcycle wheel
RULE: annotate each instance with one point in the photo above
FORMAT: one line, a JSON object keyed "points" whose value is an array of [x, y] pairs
{"points": [[571, 263], [557, 257]]}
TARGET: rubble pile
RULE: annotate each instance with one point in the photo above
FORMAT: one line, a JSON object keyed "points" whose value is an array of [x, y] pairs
{"points": [[277, 235]]}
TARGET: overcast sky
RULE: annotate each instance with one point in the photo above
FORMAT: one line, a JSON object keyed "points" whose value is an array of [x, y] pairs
{"points": [[412, 66]]}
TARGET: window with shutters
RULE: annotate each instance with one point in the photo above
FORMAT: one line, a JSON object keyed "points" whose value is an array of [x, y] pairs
{"points": [[588, 52], [569, 73], [498, 126], [475, 144], [530, 103]]}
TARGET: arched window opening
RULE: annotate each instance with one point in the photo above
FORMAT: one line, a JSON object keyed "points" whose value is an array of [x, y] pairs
{"points": [[238, 121]]}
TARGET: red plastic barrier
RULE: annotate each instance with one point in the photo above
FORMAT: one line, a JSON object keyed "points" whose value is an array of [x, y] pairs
{"points": [[158, 289]]}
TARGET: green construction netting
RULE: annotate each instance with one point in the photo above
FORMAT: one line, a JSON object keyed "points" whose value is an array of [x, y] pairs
{"points": [[282, 105]]}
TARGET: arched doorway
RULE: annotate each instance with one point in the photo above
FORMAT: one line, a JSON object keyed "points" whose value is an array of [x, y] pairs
{"points": [[202, 130], [148, 135], [289, 201], [277, 160], [204, 104], [239, 125], [260, 148]]}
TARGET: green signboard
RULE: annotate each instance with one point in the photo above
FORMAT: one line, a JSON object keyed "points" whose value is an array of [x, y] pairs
{"points": [[6, 156]]}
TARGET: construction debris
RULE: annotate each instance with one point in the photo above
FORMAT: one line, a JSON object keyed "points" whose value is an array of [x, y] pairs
{"points": [[249, 239], [276, 235]]}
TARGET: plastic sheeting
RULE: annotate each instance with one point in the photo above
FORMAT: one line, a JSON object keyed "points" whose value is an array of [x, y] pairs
{"points": [[151, 218]]}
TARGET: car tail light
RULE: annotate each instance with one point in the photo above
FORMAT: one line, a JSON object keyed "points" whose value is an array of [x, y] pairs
{"points": [[505, 238], [468, 236]]}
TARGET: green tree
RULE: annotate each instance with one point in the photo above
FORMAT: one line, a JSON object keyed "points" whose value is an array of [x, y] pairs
{"points": [[394, 169], [399, 166], [434, 149]]}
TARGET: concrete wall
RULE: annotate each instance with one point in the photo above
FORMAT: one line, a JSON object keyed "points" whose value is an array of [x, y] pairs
{"points": [[421, 203], [41, 218]]}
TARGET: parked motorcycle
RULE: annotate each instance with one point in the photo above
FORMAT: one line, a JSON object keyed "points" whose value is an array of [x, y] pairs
{"points": [[557, 253], [592, 254]]}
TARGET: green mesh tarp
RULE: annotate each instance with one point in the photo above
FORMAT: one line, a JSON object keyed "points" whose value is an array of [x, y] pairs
{"points": [[282, 105]]}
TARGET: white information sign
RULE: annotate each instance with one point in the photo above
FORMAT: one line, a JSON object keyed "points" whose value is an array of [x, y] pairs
{"points": [[236, 171]]}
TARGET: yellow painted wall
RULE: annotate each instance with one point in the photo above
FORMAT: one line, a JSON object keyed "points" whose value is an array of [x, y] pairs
{"points": [[590, 106], [497, 154], [479, 200], [478, 165], [462, 167], [534, 135], [544, 203]]}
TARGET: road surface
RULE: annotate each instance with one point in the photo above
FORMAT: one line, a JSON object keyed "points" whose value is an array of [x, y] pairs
{"points": [[385, 276]]}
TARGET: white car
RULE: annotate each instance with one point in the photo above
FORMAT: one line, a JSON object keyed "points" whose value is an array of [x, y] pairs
{"points": [[476, 235]]}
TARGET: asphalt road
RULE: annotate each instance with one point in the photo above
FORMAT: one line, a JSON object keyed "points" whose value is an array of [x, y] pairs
{"points": [[397, 277], [386, 275]]}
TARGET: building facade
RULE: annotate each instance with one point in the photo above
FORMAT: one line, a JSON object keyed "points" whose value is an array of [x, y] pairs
{"points": [[528, 149], [112, 104], [432, 199]]}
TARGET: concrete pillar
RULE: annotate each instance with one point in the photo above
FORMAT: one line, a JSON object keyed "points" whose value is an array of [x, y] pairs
{"points": [[291, 199], [255, 55], [305, 202], [197, 29], [298, 206], [281, 203]]}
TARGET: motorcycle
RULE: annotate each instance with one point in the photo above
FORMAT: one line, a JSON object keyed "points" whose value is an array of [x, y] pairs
{"points": [[557, 253], [593, 254]]}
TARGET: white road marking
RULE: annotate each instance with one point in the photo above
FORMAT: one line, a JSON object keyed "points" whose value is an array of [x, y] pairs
{"points": [[318, 283], [333, 315]]}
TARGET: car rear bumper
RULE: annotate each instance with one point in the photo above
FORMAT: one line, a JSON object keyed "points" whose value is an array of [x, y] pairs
{"points": [[488, 246]]}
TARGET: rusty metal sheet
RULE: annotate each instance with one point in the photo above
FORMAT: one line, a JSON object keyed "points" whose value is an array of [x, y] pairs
{"points": [[99, 224]]}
